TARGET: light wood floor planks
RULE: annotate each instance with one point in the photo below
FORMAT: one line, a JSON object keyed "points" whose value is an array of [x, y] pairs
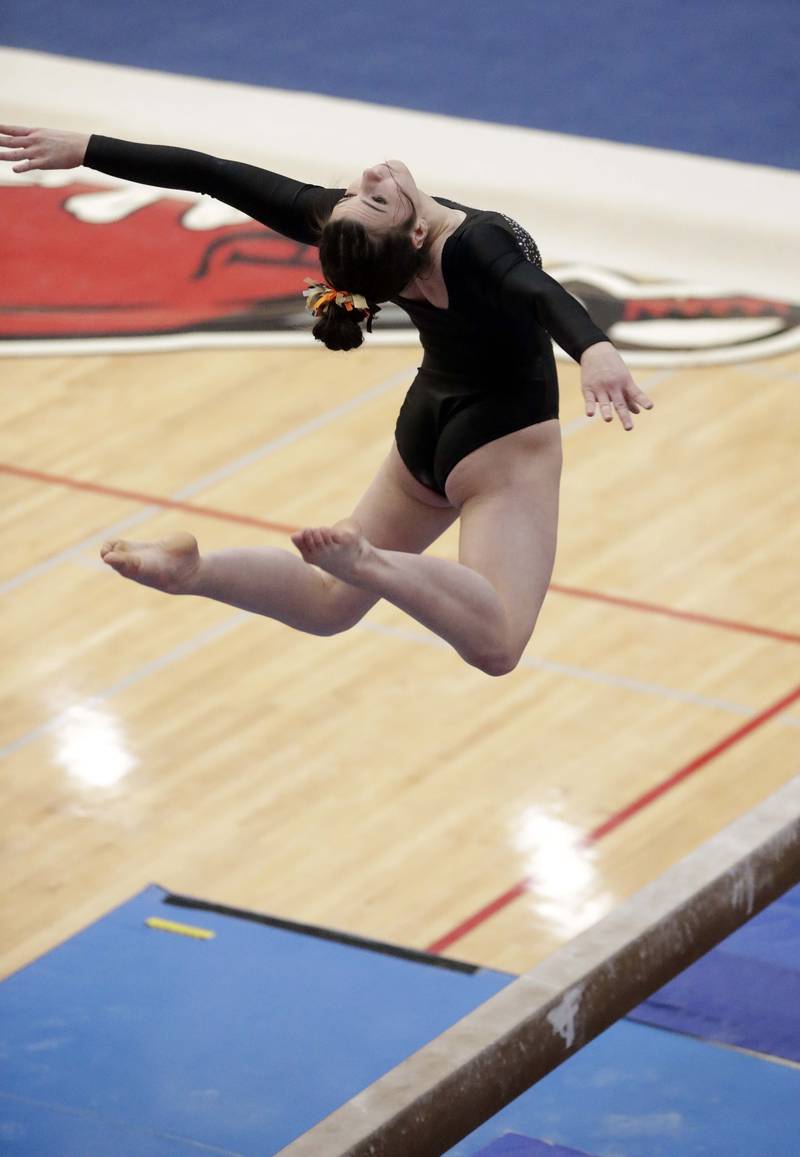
{"points": [[372, 782]]}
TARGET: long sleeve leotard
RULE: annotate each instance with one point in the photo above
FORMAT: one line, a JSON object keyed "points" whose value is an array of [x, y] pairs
{"points": [[499, 301], [289, 207], [488, 367]]}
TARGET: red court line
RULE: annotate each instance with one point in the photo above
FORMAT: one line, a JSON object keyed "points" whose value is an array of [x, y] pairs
{"points": [[144, 499], [673, 613], [265, 524], [615, 821]]}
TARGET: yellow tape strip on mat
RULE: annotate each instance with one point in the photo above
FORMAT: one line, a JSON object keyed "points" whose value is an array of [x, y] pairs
{"points": [[181, 929]]}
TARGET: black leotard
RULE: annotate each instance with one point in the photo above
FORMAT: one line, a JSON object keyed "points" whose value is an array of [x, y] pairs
{"points": [[488, 366]]}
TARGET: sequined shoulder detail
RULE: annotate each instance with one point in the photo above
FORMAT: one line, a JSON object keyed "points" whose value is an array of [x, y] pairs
{"points": [[526, 243]]}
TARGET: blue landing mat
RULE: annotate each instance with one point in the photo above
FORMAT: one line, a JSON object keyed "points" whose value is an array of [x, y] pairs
{"points": [[637, 1091], [745, 992], [514, 1145], [139, 1043], [142, 1043]]}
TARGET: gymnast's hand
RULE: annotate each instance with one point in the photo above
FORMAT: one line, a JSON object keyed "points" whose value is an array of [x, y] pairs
{"points": [[606, 382], [41, 148]]}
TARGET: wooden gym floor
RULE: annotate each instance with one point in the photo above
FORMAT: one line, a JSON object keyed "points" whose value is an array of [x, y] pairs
{"points": [[372, 782]]}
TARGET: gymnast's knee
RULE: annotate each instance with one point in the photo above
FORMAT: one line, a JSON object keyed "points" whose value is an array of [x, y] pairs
{"points": [[501, 649], [495, 661]]}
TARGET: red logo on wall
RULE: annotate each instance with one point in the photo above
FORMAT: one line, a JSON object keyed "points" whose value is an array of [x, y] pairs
{"points": [[86, 260]]}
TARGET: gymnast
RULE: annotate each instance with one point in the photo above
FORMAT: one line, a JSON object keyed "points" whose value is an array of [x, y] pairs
{"points": [[477, 438]]}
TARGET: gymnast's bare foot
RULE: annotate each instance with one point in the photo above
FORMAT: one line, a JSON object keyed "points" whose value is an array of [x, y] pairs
{"points": [[340, 550], [169, 564]]}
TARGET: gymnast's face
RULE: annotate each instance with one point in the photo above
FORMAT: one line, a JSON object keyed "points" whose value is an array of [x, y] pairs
{"points": [[381, 198]]}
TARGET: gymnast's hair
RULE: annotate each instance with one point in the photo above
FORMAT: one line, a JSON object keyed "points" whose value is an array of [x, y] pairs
{"points": [[377, 267]]}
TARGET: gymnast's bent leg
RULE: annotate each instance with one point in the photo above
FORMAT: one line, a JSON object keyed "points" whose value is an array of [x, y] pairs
{"points": [[486, 604]]}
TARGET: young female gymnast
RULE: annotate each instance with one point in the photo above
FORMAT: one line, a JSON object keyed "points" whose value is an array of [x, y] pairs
{"points": [[477, 437]]}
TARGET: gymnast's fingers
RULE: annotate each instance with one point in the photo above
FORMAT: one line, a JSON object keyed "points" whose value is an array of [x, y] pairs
{"points": [[623, 413], [638, 397], [605, 404], [25, 164]]}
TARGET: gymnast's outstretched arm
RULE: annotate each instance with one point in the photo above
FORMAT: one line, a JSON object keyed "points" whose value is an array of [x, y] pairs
{"points": [[289, 207], [497, 273]]}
